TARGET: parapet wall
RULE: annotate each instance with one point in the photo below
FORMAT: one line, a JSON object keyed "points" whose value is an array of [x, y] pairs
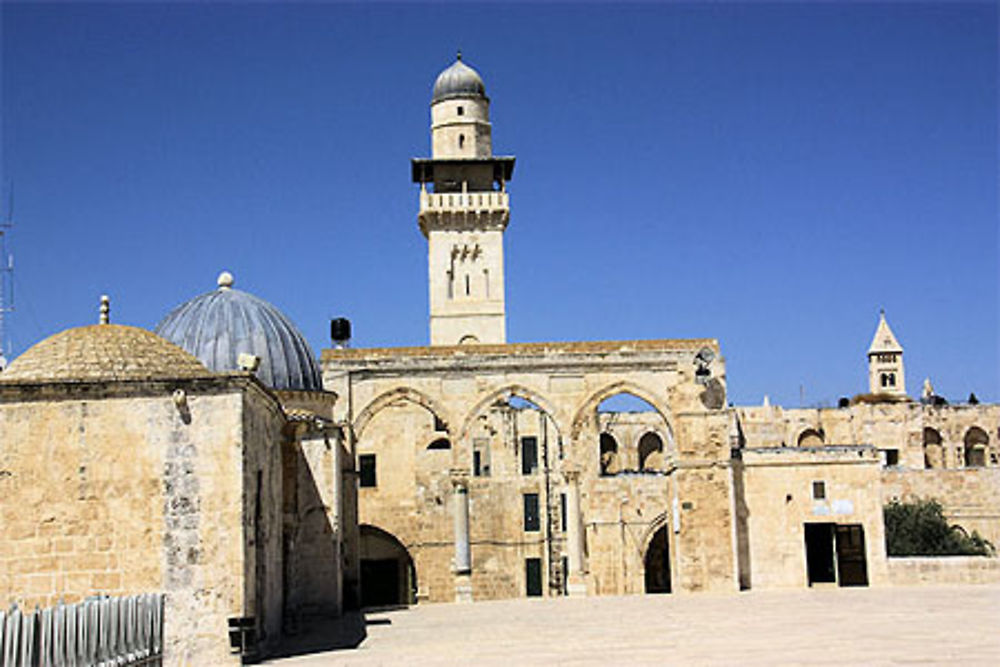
{"points": [[930, 570]]}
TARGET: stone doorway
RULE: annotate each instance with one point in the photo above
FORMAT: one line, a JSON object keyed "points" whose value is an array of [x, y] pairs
{"points": [[388, 577], [657, 563], [835, 554]]}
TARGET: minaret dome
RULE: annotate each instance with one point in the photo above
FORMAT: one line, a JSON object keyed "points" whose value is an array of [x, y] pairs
{"points": [[460, 114]]}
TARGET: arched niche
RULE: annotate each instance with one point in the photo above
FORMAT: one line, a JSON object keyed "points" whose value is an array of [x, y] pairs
{"points": [[933, 449], [976, 447], [811, 437]]}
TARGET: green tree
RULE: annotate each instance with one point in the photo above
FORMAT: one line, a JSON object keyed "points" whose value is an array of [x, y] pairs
{"points": [[919, 528]]}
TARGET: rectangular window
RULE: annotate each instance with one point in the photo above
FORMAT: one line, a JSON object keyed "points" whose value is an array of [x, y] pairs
{"points": [[481, 457], [819, 490], [565, 575], [366, 469], [892, 457], [531, 520], [529, 455], [533, 577], [562, 511]]}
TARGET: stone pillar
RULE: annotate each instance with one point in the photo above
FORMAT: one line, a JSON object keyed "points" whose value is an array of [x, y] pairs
{"points": [[576, 583], [463, 553]]}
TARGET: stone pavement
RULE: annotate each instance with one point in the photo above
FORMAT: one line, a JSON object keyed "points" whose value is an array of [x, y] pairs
{"points": [[879, 626]]}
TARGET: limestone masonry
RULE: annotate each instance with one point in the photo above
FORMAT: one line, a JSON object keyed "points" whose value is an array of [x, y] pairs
{"points": [[217, 461]]}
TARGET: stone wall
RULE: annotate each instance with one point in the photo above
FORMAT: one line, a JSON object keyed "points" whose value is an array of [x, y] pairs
{"points": [[943, 570], [778, 500], [886, 426], [970, 497], [124, 488], [401, 401]]}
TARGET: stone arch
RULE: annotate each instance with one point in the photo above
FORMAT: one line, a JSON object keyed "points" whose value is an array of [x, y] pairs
{"points": [[650, 444], [933, 448], [588, 409], [392, 396], [976, 445], [506, 392], [811, 437], [388, 572], [656, 556]]}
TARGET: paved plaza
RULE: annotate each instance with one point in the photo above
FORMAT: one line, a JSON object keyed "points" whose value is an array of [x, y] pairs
{"points": [[879, 626]]}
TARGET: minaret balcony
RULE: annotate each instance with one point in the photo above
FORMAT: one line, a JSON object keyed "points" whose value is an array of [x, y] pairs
{"points": [[464, 210], [464, 201]]}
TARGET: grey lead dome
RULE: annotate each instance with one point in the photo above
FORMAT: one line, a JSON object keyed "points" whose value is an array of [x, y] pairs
{"points": [[459, 80], [218, 326]]}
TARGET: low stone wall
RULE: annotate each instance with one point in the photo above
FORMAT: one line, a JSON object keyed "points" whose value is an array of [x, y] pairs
{"points": [[925, 570]]}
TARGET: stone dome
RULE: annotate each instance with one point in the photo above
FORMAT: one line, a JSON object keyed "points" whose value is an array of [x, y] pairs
{"points": [[458, 80], [218, 326], [103, 352]]}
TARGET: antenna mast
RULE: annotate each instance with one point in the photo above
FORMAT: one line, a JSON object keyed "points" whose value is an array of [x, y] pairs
{"points": [[6, 277]]}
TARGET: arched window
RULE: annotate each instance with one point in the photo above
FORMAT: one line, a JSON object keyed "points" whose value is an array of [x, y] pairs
{"points": [[440, 443], [461, 140], [609, 455], [650, 452], [976, 443], [933, 449]]}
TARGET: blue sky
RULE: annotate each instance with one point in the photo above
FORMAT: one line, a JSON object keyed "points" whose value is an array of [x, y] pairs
{"points": [[766, 174]]}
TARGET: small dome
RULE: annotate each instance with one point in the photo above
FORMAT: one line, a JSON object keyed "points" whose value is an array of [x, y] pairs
{"points": [[105, 352], [218, 326], [459, 80]]}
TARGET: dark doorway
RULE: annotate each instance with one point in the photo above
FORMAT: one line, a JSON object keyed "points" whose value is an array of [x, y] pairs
{"points": [[852, 566], [657, 563], [379, 582], [820, 553], [533, 577], [387, 573]]}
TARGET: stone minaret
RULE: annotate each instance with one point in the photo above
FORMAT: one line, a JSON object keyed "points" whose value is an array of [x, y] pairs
{"points": [[464, 209], [885, 362]]}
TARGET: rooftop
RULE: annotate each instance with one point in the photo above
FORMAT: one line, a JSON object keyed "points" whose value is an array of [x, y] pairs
{"points": [[104, 352]]}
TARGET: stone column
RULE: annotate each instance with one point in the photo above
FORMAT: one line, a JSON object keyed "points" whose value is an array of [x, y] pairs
{"points": [[576, 583], [463, 553]]}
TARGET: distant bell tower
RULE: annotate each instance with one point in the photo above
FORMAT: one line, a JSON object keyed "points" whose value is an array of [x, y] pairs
{"points": [[885, 362], [464, 209]]}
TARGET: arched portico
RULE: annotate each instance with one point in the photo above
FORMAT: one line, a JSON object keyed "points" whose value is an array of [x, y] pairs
{"points": [[586, 413], [393, 396], [506, 392]]}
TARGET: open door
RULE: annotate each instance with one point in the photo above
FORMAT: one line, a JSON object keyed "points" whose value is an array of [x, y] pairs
{"points": [[820, 553], [852, 565]]}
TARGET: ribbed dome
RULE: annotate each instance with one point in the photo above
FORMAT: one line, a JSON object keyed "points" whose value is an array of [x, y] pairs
{"points": [[218, 326], [105, 352], [459, 80]]}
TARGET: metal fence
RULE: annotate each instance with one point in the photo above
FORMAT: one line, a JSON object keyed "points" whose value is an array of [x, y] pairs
{"points": [[98, 631]]}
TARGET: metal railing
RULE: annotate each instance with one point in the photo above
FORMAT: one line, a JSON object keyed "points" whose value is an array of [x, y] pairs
{"points": [[100, 630]]}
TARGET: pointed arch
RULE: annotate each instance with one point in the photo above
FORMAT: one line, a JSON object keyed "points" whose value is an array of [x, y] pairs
{"points": [[661, 520], [505, 392], [588, 410], [387, 398]]}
